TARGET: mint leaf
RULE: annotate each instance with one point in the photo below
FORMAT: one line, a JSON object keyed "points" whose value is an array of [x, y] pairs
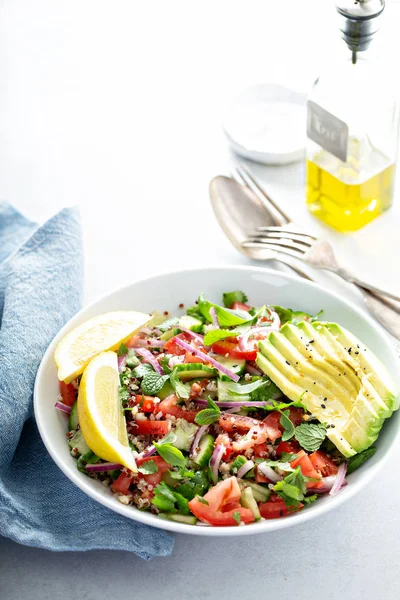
{"points": [[237, 517], [215, 335], [168, 324], [152, 383], [278, 464], [209, 415], [310, 435], [182, 390], [148, 468], [123, 349], [358, 459], [171, 455], [230, 297], [287, 425], [142, 370]]}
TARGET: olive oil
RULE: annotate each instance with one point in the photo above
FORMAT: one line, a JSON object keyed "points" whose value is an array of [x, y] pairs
{"points": [[343, 197]]}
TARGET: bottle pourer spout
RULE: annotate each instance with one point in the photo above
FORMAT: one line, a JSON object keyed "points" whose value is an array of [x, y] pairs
{"points": [[358, 22]]}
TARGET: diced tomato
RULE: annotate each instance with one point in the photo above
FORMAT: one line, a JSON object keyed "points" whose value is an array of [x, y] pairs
{"points": [[237, 423], [68, 393], [223, 500], [122, 483], [224, 347], [190, 357], [146, 403], [275, 508], [259, 432], [171, 347], [273, 420], [323, 464], [223, 439], [261, 451], [147, 427], [291, 447], [240, 306], [303, 461], [260, 478], [155, 478], [197, 387], [169, 407]]}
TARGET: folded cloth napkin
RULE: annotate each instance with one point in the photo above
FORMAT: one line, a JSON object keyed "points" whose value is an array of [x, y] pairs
{"points": [[40, 289]]}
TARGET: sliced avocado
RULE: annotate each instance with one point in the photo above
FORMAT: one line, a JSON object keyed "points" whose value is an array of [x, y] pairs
{"points": [[340, 381]]}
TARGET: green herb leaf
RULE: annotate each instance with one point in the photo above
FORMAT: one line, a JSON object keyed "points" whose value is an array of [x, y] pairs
{"points": [[202, 500], [168, 439], [310, 435], [123, 395], [230, 297], [209, 415], [171, 455], [164, 498], [142, 370], [194, 311], [307, 500], [248, 388], [164, 363], [215, 335], [123, 349], [182, 474], [237, 517], [182, 390], [266, 392], [287, 425], [287, 457], [293, 488], [287, 315], [358, 459], [168, 324], [279, 464], [148, 468], [152, 383], [226, 317]]}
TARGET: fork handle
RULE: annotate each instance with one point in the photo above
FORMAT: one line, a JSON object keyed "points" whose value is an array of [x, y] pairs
{"points": [[347, 276]]}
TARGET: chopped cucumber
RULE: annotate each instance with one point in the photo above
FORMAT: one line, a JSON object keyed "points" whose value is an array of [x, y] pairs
{"points": [[73, 417], [165, 391], [238, 462], [167, 335], [248, 501], [178, 518], [224, 395], [194, 371], [87, 459], [236, 365], [206, 448], [260, 493], [184, 433], [78, 442], [189, 322]]}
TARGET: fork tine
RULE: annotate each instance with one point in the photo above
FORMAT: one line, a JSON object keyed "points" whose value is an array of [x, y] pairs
{"points": [[273, 248], [286, 233], [244, 176], [273, 235], [281, 243]]}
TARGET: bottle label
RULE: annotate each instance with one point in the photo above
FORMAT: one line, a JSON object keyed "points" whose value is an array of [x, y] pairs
{"points": [[327, 130]]}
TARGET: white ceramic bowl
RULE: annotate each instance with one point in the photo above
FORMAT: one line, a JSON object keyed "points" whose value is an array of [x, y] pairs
{"points": [[166, 292]]}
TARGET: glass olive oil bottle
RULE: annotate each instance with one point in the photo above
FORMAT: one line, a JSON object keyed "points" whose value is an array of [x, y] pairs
{"points": [[352, 129]]}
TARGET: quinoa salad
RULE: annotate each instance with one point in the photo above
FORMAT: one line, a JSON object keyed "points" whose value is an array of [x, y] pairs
{"points": [[237, 413]]}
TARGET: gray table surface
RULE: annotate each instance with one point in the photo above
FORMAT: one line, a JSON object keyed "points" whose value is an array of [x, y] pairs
{"points": [[117, 106]]}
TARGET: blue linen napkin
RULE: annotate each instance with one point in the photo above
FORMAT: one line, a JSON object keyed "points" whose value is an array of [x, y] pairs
{"points": [[41, 277]]}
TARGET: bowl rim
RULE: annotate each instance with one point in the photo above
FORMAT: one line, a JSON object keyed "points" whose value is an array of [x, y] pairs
{"points": [[262, 526]]}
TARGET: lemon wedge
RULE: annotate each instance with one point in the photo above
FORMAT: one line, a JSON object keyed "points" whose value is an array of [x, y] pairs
{"points": [[100, 415], [105, 332]]}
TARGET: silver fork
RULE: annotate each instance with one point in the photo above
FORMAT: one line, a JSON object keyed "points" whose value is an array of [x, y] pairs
{"points": [[288, 239]]}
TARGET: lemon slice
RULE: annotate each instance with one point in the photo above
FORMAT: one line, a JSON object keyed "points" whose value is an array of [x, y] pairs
{"points": [[100, 415], [105, 332]]}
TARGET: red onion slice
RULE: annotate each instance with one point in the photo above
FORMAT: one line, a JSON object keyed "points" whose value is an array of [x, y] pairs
{"points": [[328, 483], [248, 465], [269, 473], [214, 317], [63, 407], [196, 336], [121, 363], [196, 440], [341, 474], [244, 344], [216, 460], [147, 355], [146, 453], [208, 358], [175, 360], [148, 343], [103, 467]]}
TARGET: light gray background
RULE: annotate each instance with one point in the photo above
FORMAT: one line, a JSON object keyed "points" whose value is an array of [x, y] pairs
{"points": [[117, 106]]}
